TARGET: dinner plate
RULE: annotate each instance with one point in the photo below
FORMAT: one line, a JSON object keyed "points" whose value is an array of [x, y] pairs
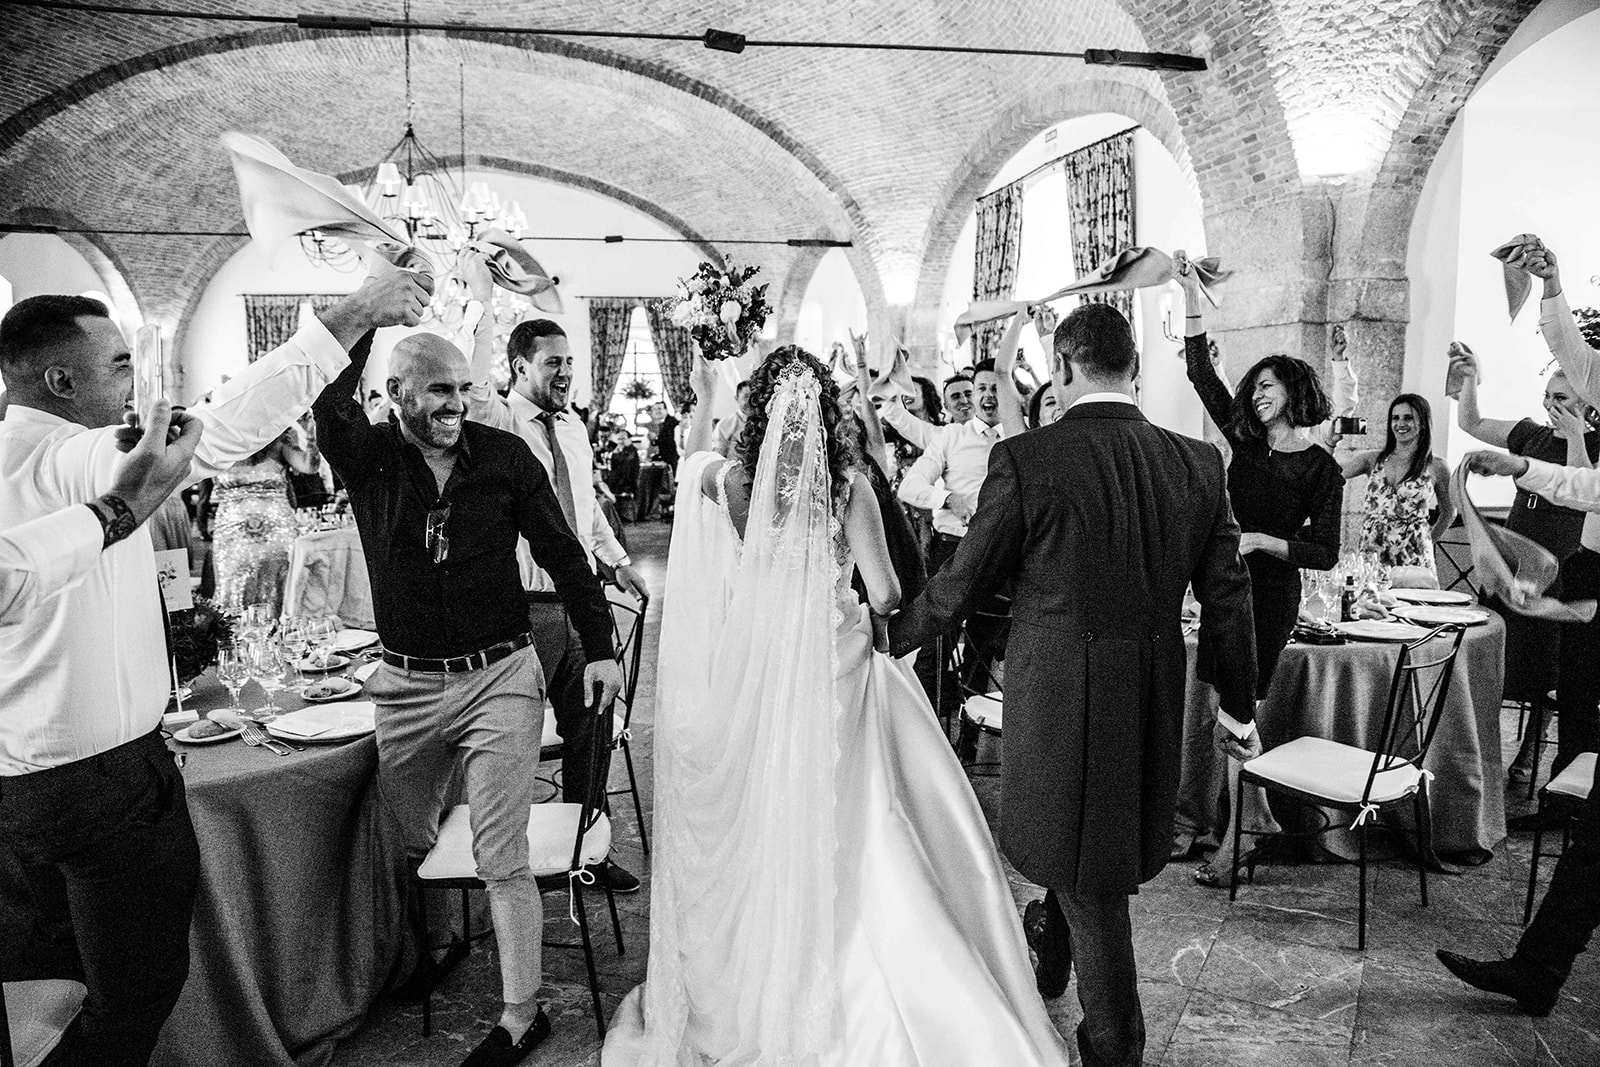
{"points": [[1440, 615], [1380, 630], [1432, 596], [326, 723], [354, 640], [336, 662], [346, 688], [183, 736]]}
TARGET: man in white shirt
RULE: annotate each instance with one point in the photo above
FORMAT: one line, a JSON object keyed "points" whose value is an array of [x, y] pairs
{"points": [[45, 557], [536, 410], [91, 805], [729, 429], [958, 408]]}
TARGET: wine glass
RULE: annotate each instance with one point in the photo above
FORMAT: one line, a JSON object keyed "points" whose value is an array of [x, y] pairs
{"points": [[320, 630], [292, 631], [233, 671], [267, 667], [255, 621]]}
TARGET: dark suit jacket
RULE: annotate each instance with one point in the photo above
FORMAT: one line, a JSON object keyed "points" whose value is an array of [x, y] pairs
{"points": [[1101, 519]]}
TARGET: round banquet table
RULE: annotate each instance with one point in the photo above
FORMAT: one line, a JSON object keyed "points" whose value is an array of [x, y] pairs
{"points": [[1339, 692], [299, 920]]}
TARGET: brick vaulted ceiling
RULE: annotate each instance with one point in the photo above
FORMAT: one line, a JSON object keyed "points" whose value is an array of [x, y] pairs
{"points": [[112, 120]]}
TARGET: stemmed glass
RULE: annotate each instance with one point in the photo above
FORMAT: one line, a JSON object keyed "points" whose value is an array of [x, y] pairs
{"points": [[292, 631], [320, 631], [256, 621], [233, 671], [267, 667]]}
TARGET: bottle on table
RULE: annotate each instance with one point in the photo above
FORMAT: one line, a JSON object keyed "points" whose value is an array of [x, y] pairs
{"points": [[1347, 600]]}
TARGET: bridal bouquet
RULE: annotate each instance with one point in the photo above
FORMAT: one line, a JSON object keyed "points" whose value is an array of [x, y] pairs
{"points": [[721, 310]]}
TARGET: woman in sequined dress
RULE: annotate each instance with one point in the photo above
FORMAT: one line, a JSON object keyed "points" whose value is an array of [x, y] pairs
{"points": [[254, 528]]}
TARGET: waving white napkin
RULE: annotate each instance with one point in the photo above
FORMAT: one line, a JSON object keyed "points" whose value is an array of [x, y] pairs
{"points": [[1513, 567]]}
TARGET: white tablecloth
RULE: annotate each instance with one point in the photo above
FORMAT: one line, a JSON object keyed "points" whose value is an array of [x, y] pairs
{"points": [[328, 575]]}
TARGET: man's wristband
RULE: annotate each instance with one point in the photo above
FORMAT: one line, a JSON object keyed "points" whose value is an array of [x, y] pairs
{"points": [[116, 518]]}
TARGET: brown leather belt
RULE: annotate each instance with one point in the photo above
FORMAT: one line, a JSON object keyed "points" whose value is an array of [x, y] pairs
{"points": [[459, 664]]}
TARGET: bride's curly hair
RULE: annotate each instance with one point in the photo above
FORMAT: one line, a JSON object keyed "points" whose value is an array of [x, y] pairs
{"points": [[844, 454]]}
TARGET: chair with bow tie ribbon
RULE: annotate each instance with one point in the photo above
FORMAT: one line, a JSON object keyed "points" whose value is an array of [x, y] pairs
{"points": [[1369, 781]]}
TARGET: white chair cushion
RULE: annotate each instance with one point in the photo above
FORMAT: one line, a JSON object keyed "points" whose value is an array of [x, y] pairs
{"points": [[551, 830], [986, 711], [1333, 770], [38, 1013], [1576, 779]]}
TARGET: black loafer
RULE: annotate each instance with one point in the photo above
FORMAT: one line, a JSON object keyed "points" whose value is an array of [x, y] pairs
{"points": [[1051, 975], [498, 1050], [1508, 978], [608, 875]]}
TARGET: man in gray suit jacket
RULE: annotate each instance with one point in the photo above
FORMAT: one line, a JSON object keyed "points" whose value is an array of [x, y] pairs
{"points": [[1102, 519]]}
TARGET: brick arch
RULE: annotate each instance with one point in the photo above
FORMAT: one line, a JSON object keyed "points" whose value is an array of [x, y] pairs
{"points": [[97, 250], [82, 91], [1006, 136]]}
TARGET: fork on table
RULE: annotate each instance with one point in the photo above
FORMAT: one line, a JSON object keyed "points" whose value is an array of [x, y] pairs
{"points": [[255, 735]]}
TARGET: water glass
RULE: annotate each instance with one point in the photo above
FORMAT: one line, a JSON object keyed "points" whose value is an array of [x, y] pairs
{"points": [[233, 671], [293, 632], [320, 631], [266, 667]]}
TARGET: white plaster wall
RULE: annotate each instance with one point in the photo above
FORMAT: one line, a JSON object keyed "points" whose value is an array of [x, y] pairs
{"points": [[832, 307], [1166, 216], [37, 264], [1522, 157], [214, 345]]}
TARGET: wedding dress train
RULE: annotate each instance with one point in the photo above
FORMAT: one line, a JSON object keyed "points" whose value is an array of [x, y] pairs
{"points": [[825, 890]]}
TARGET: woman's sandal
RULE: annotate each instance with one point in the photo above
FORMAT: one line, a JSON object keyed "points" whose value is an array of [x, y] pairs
{"points": [[1214, 872]]}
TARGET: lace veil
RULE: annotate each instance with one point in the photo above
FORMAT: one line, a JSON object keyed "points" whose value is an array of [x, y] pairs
{"points": [[742, 930]]}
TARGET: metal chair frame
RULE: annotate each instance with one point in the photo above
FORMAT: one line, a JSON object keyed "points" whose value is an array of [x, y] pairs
{"points": [[1401, 729], [964, 655], [1570, 807]]}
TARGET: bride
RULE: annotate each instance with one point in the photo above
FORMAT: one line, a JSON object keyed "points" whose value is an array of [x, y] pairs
{"points": [[825, 892]]}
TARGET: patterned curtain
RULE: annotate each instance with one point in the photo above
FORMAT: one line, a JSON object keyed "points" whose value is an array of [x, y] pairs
{"points": [[609, 319], [675, 352], [994, 268], [1100, 199], [270, 319]]}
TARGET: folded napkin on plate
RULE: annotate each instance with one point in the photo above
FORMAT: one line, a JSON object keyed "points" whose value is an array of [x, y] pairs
{"points": [[1512, 567], [313, 722], [1134, 268], [1518, 283]]}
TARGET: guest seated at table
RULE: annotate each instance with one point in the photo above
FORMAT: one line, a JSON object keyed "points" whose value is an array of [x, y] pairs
{"points": [[440, 503], [1407, 506], [92, 806], [728, 429], [1533, 646], [1287, 494]]}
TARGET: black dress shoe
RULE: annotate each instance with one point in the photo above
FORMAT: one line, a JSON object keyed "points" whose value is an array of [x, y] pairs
{"points": [[1505, 977], [498, 1050], [608, 875], [1052, 974]]}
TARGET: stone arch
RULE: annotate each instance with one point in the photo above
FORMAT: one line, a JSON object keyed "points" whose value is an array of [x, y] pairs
{"points": [[1005, 137]]}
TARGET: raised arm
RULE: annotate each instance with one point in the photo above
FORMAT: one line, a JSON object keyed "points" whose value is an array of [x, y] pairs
{"points": [[703, 380], [483, 403], [1012, 416], [1354, 464], [1346, 388], [348, 441], [876, 447], [1496, 432], [907, 425], [1213, 393]]}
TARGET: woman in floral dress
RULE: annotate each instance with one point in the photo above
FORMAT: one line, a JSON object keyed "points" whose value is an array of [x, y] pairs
{"points": [[1408, 503]]}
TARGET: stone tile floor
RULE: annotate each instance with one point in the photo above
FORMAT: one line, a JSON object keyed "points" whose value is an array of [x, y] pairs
{"points": [[1272, 979]]}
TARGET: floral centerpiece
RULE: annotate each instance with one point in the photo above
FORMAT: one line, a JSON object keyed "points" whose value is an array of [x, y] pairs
{"points": [[197, 633], [721, 310]]}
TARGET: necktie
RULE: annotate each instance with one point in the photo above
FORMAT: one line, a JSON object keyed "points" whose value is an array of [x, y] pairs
{"points": [[558, 466]]}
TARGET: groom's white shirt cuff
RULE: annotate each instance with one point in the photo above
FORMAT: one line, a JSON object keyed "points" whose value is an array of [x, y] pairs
{"points": [[1241, 730]]}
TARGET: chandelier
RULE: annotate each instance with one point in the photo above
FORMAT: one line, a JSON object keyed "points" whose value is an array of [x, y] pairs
{"points": [[413, 190]]}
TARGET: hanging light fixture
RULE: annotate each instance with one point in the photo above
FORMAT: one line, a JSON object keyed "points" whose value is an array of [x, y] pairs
{"points": [[412, 189]]}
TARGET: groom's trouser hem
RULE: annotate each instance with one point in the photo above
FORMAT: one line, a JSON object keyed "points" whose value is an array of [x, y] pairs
{"points": [[1112, 1031]]}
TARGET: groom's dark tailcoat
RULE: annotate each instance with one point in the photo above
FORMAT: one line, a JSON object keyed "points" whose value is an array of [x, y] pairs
{"points": [[1102, 519]]}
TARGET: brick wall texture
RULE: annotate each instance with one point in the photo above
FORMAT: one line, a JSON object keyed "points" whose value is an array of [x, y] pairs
{"points": [[112, 120]]}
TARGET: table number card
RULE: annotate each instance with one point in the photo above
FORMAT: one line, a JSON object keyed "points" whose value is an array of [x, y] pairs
{"points": [[172, 571]]}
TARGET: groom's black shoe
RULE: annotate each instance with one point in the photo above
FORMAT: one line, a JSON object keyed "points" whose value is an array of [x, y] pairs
{"points": [[1505, 977], [498, 1050], [1055, 954]]}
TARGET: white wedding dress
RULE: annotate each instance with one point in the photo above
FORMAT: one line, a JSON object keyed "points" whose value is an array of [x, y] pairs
{"points": [[825, 891]]}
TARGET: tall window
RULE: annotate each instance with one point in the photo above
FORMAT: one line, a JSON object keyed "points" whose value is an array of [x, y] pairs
{"points": [[640, 384]]}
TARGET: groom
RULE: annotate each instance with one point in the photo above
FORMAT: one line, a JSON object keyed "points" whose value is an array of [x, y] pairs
{"points": [[1102, 519]]}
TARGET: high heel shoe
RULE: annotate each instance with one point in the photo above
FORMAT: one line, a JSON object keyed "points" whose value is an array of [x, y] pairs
{"points": [[1215, 873]]}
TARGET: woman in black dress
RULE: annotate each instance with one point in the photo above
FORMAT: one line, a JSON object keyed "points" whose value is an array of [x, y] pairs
{"points": [[1279, 480], [1533, 646]]}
